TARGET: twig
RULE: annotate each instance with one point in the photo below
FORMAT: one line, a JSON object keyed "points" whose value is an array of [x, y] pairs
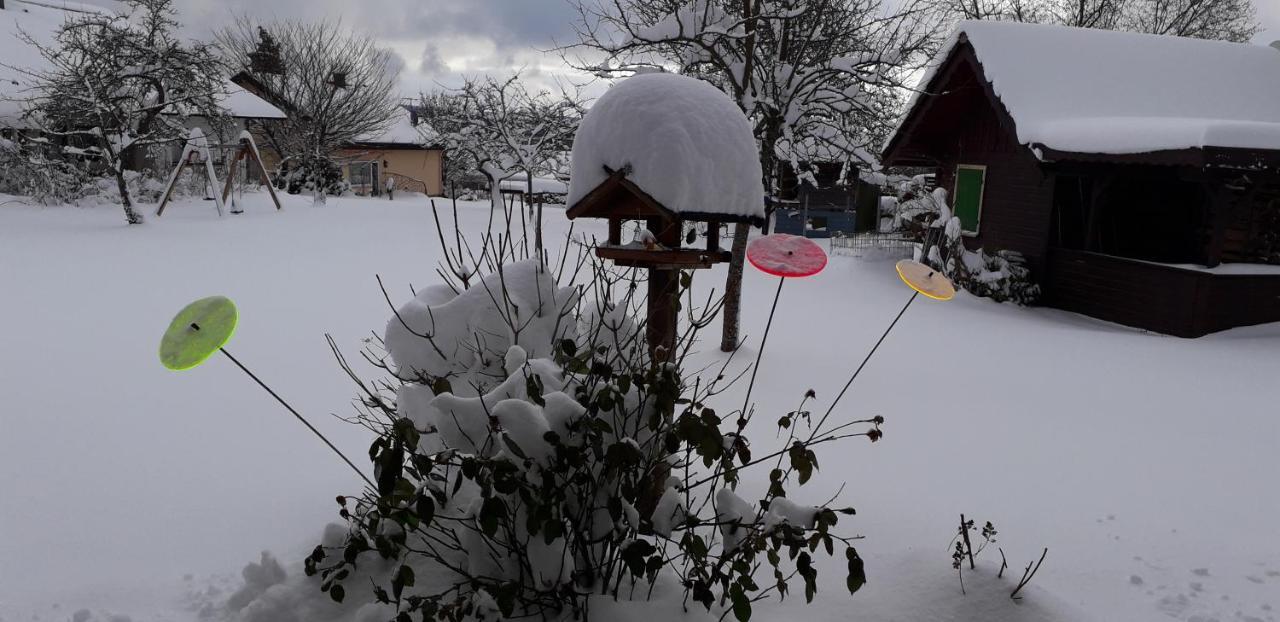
{"points": [[964, 533], [1027, 574]]}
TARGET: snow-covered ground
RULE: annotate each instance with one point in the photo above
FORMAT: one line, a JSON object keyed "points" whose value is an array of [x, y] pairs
{"points": [[1146, 464]]}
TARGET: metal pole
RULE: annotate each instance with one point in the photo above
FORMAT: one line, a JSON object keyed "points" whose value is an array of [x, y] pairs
{"points": [[760, 354], [914, 294], [295, 414]]}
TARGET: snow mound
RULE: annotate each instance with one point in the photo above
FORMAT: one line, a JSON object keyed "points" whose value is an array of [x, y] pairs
{"points": [[685, 142], [1123, 92]]}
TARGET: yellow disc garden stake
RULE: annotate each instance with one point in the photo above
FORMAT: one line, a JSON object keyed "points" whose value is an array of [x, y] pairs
{"points": [[922, 280]]}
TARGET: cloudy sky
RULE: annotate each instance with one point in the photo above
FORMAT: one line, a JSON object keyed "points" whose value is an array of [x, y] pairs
{"points": [[439, 40]]}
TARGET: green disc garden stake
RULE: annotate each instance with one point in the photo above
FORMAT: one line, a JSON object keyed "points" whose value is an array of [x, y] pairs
{"points": [[204, 327]]}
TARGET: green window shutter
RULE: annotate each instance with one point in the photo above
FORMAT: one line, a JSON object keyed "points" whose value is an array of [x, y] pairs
{"points": [[970, 181]]}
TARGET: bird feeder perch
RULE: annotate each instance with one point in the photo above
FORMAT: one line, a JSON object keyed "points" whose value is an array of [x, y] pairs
{"points": [[619, 200]]}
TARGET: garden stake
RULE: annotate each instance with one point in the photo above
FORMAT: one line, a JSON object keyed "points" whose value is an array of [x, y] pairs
{"points": [[784, 256], [205, 326], [922, 280]]}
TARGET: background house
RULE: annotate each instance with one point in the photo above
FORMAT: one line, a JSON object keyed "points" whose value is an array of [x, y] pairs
{"points": [[400, 153], [1138, 174]]}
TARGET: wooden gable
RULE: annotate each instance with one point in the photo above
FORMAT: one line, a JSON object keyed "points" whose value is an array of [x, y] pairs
{"points": [[618, 197], [947, 104]]}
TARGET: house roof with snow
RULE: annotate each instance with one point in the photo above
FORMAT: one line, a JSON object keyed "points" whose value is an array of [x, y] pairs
{"points": [[404, 132], [245, 105], [1081, 91], [41, 19]]}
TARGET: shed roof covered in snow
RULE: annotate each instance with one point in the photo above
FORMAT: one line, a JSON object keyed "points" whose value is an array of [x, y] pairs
{"points": [[679, 140], [243, 104], [1077, 90]]}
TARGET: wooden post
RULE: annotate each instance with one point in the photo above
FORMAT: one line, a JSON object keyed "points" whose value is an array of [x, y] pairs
{"points": [[615, 231], [249, 149], [661, 327], [664, 287]]}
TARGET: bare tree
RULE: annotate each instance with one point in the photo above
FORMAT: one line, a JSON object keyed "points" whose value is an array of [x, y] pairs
{"points": [[335, 85], [818, 78], [502, 128], [1101, 14], [117, 85], [1013, 10], [1226, 20]]}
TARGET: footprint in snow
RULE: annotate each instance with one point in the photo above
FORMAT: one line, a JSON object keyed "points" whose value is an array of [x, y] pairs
{"points": [[1254, 579], [1200, 572]]}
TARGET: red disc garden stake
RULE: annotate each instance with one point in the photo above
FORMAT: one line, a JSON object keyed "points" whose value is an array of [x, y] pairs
{"points": [[782, 255]]}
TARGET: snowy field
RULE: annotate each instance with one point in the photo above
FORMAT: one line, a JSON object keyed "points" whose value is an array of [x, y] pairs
{"points": [[1146, 464]]}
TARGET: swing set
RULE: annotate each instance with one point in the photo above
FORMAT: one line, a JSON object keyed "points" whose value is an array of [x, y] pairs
{"points": [[195, 154]]}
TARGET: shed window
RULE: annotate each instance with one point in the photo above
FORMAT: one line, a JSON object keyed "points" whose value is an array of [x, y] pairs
{"points": [[971, 180]]}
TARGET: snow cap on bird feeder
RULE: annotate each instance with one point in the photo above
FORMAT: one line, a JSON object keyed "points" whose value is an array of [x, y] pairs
{"points": [[665, 149]]}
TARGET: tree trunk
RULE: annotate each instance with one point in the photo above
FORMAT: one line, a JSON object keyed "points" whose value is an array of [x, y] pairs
{"points": [[733, 288], [738, 251], [131, 215], [537, 221]]}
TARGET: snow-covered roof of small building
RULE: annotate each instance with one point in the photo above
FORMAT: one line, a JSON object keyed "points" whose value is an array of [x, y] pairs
{"points": [[41, 19], [683, 141], [1099, 91], [402, 131], [243, 104]]}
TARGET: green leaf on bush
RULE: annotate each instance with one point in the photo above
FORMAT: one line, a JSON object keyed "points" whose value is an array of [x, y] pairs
{"points": [[741, 604], [857, 575]]}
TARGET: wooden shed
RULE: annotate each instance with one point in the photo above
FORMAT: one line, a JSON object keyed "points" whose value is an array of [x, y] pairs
{"points": [[1138, 174]]}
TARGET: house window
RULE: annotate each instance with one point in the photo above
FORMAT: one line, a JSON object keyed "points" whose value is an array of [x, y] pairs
{"points": [[971, 180], [363, 176]]}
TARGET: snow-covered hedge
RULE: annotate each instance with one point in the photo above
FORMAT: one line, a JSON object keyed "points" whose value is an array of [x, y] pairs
{"points": [[318, 175], [530, 455], [1002, 276], [28, 171]]}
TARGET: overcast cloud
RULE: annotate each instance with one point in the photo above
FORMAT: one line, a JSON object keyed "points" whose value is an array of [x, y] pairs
{"points": [[440, 40]]}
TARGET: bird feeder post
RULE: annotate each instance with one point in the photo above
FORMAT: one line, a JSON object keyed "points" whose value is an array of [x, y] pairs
{"points": [[662, 255], [664, 292]]}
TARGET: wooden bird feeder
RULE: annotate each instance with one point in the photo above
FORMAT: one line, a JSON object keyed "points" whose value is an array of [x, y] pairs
{"points": [[618, 199]]}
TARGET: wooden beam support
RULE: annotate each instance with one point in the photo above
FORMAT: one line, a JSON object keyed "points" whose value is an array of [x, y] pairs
{"points": [[713, 236], [662, 321], [615, 231]]}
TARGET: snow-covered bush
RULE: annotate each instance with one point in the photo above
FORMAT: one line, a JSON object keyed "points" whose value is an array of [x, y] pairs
{"points": [[315, 174], [30, 172], [1002, 276], [530, 455], [143, 187]]}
